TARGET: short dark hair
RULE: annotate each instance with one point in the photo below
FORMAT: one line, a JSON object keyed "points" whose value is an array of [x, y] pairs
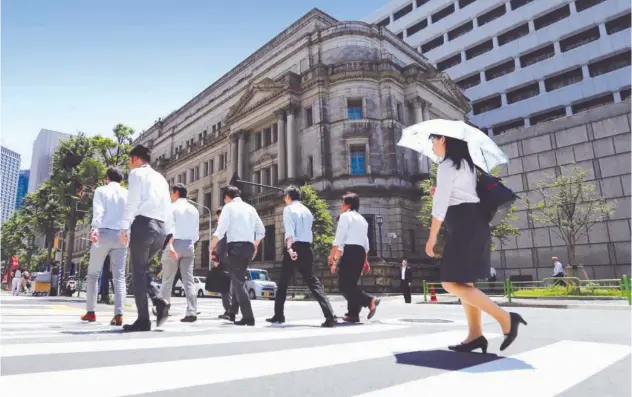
{"points": [[180, 189], [352, 200], [293, 192], [219, 211], [142, 152], [114, 174], [232, 192]]}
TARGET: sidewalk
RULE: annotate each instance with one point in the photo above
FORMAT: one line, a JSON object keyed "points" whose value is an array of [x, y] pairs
{"points": [[584, 303]]}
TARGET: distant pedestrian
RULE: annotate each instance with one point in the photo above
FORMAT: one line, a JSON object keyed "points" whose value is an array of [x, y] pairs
{"points": [[148, 209], [298, 255], [351, 246], [558, 271], [244, 230], [16, 282], [406, 279]]}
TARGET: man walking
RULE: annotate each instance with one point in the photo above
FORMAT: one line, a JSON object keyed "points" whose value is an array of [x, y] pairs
{"points": [[244, 230], [108, 205], [298, 220], [229, 299], [406, 279], [148, 209], [180, 251]]}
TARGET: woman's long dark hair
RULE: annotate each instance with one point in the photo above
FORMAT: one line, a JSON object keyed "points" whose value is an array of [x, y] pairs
{"points": [[456, 150]]}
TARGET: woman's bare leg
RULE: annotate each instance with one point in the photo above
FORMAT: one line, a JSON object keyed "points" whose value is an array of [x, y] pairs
{"points": [[472, 296]]}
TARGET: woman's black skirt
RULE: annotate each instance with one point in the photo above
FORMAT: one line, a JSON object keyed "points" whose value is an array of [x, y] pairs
{"points": [[467, 251]]}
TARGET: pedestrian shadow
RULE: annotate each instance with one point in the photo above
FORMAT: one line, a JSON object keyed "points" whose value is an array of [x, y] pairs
{"points": [[455, 361], [338, 325], [106, 332]]}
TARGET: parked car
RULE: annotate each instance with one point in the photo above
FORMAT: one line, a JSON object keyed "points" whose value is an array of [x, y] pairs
{"points": [[200, 283], [259, 285]]}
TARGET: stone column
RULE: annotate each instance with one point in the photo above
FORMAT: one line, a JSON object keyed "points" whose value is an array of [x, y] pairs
{"points": [[281, 156], [233, 155], [424, 162], [242, 154], [427, 110], [418, 104], [291, 143]]}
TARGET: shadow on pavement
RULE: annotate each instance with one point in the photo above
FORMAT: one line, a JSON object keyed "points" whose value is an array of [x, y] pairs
{"points": [[454, 361]]}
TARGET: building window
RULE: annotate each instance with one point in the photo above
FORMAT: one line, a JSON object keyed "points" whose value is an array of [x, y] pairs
{"points": [[552, 17], [208, 198], [267, 136], [180, 178], [197, 173], [205, 254], [358, 165], [384, 22], [487, 105], [491, 15], [522, 93], [210, 166], [192, 175], [547, 116], [354, 108], [515, 4], [469, 82], [269, 247], [579, 39], [581, 5], [449, 62], [417, 27], [564, 79], [500, 70], [437, 16], [536, 56], [479, 49], [205, 168], [310, 166], [370, 219], [275, 133], [432, 44], [460, 30], [403, 12], [618, 24], [257, 138], [309, 119], [609, 64], [593, 103], [510, 126], [513, 34]]}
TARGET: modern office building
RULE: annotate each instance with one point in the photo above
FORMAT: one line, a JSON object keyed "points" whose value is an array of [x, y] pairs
{"points": [[44, 146], [521, 62], [10, 168], [23, 187], [325, 101]]}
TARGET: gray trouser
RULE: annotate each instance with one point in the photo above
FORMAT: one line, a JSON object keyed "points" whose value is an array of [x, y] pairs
{"points": [[109, 243], [239, 258], [229, 301], [186, 256]]}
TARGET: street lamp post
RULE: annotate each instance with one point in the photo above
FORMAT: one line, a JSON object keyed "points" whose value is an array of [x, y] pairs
{"points": [[380, 219]]}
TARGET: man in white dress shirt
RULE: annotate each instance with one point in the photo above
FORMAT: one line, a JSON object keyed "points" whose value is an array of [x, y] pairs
{"points": [[147, 211], [180, 251], [108, 205], [244, 230]]}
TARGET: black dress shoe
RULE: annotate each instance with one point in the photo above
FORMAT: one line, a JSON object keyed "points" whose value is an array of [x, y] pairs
{"points": [[351, 319], [162, 311], [276, 319], [372, 312], [329, 323], [478, 343], [138, 326], [246, 321], [516, 320], [227, 316], [153, 309], [188, 319]]}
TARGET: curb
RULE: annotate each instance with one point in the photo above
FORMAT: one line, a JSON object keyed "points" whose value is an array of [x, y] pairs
{"points": [[545, 305]]}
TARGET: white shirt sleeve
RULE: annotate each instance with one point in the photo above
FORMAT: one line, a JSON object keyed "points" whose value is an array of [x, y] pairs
{"points": [[366, 244], [222, 225], [133, 199], [97, 209], [260, 230], [446, 173], [341, 230], [197, 225], [170, 220], [288, 225]]}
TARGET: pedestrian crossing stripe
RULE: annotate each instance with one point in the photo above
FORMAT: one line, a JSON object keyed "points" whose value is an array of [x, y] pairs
{"points": [[12, 350], [172, 375], [543, 372]]}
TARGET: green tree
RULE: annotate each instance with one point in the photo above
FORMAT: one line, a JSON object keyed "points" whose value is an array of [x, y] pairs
{"points": [[571, 205], [503, 231], [45, 210], [18, 236], [323, 226]]}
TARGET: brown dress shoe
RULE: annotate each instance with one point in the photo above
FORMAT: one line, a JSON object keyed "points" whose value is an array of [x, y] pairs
{"points": [[117, 320], [89, 317]]}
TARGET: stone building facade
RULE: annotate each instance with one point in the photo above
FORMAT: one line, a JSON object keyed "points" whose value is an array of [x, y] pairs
{"points": [[324, 101], [597, 140]]}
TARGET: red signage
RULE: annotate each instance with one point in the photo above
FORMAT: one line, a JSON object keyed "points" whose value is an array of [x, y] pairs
{"points": [[14, 262]]}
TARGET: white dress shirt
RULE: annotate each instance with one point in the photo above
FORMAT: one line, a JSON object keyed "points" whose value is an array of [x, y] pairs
{"points": [[403, 272], [454, 187], [298, 220], [108, 206], [239, 222], [492, 272], [185, 221], [558, 268], [352, 230], [148, 195]]}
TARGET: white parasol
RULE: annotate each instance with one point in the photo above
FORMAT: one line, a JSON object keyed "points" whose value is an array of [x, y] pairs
{"points": [[484, 151]]}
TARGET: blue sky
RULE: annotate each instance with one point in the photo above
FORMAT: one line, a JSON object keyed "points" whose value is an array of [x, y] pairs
{"points": [[77, 65]]}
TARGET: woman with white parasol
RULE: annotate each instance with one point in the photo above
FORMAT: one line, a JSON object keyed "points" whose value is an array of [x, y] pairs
{"points": [[458, 147]]}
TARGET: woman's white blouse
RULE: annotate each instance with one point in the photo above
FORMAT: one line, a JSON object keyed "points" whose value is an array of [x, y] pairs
{"points": [[453, 187]]}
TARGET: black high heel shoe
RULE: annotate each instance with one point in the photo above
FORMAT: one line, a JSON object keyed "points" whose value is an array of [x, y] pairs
{"points": [[478, 343], [516, 320]]}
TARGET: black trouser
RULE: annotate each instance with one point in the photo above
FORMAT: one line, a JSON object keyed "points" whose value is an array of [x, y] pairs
{"points": [[304, 264], [229, 298], [239, 258], [560, 282], [146, 238], [349, 272], [106, 280], [405, 287]]}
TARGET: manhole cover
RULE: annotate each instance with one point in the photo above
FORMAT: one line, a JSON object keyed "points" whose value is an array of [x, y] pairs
{"points": [[426, 320]]}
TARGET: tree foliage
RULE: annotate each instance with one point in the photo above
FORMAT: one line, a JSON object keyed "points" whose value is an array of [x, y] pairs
{"points": [[570, 205], [323, 227], [503, 231]]}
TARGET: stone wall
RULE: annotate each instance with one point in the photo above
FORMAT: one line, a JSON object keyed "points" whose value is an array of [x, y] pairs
{"points": [[598, 141]]}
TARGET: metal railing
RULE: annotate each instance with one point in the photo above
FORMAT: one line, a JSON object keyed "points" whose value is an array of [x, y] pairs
{"points": [[548, 288]]}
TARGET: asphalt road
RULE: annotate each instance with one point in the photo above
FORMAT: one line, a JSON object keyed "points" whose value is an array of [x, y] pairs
{"points": [[401, 352]]}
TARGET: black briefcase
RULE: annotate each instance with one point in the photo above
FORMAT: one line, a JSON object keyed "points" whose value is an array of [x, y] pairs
{"points": [[218, 280]]}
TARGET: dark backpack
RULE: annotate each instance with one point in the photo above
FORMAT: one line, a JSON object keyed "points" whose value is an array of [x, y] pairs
{"points": [[496, 198]]}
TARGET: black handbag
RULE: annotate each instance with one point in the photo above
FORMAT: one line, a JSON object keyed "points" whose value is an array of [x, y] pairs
{"points": [[496, 198], [217, 280]]}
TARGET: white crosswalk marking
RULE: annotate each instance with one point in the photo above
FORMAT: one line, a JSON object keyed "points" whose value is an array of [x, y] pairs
{"points": [[44, 345]]}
